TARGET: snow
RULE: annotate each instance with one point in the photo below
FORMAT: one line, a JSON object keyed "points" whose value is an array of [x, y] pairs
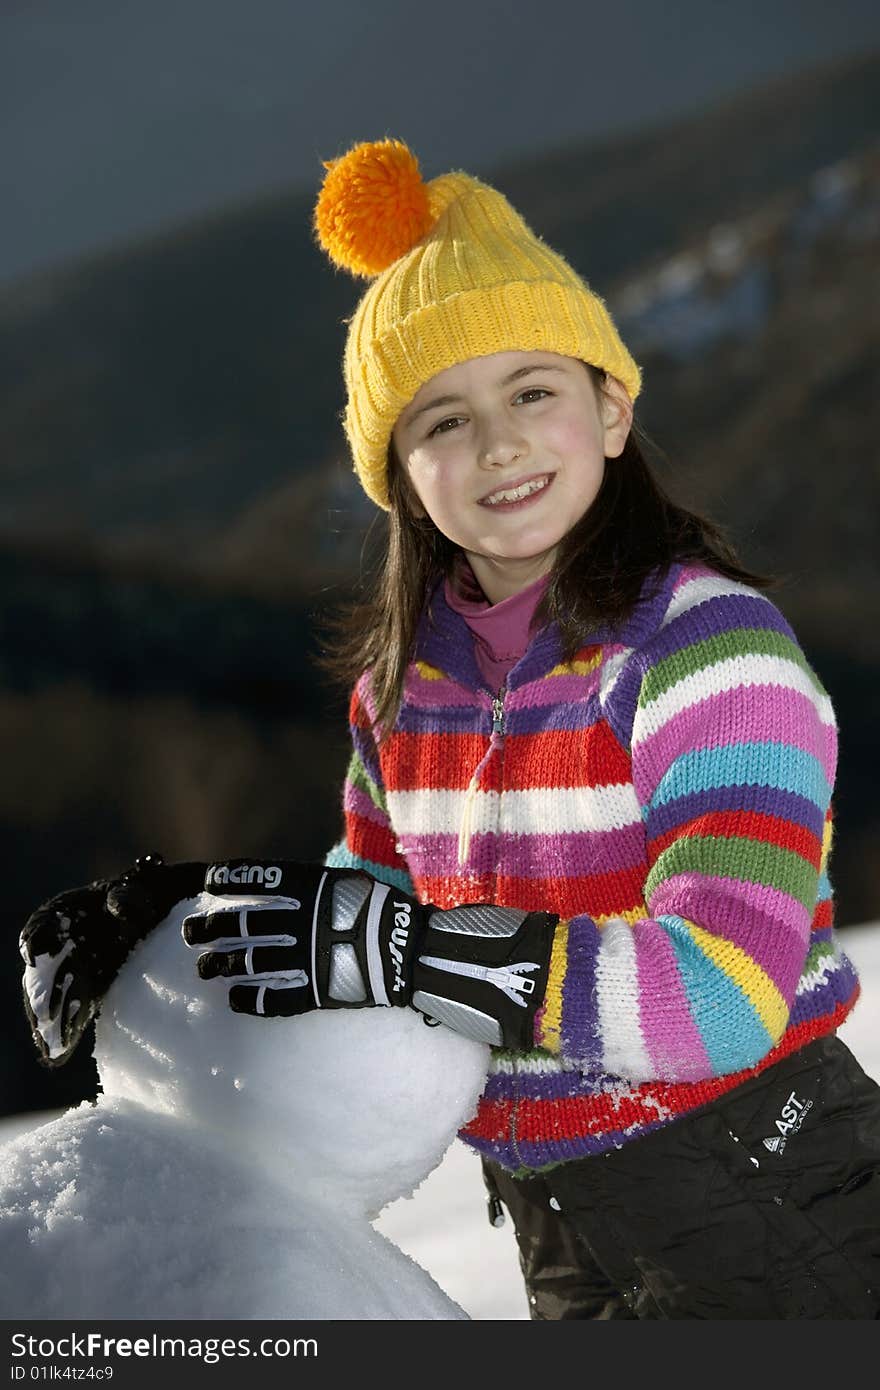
{"points": [[444, 1226], [200, 1185]]}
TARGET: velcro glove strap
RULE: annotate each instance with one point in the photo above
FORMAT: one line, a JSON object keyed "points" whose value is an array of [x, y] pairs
{"points": [[482, 970], [336, 938], [74, 945]]}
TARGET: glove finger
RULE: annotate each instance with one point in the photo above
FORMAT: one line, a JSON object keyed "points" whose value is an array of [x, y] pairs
{"points": [[54, 1011], [75, 1018], [28, 947], [253, 960], [44, 934], [203, 927], [268, 1002]]}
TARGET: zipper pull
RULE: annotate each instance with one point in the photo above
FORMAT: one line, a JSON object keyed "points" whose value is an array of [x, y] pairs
{"points": [[467, 810], [498, 712]]}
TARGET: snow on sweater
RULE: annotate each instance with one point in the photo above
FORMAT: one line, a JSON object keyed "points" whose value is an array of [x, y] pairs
{"points": [[666, 793]]}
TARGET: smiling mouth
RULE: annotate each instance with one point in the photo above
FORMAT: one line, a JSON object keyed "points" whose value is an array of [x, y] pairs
{"points": [[517, 494]]}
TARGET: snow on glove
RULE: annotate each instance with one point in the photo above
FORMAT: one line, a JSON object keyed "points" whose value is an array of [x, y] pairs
{"points": [[74, 945], [336, 938]]}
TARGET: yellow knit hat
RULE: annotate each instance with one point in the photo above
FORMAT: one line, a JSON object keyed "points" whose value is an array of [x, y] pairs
{"points": [[456, 274]]}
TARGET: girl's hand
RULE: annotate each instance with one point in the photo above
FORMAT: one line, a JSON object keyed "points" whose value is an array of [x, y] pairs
{"points": [[74, 945], [321, 938]]}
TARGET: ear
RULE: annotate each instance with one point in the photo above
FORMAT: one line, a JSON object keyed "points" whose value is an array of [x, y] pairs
{"points": [[617, 414]]}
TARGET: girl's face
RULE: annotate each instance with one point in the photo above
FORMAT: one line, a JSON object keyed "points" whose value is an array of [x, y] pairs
{"points": [[506, 453]]}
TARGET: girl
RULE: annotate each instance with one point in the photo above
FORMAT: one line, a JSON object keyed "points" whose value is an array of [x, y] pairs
{"points": [[588, 807]]}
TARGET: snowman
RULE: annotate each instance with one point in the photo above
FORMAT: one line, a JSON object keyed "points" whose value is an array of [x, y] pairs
{"points": [[232, 1166]]}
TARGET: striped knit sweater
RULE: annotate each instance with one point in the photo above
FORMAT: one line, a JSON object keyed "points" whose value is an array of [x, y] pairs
{"points": [[667, 793]]}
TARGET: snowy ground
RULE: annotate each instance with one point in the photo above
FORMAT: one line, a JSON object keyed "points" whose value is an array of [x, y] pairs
{"points": [[444, 1226]]}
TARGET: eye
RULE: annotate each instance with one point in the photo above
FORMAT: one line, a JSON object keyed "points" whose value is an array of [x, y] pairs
{"points": [[443, 426], [536, 393]]}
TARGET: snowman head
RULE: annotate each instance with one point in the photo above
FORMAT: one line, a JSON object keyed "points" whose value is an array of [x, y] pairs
{"points": [[351, 1106]]}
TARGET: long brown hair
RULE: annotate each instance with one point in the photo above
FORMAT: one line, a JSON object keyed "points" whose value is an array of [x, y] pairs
{"points": [[632, 529]]}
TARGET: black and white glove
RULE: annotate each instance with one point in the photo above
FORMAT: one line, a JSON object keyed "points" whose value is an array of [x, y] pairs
{"points": [[74, 945], [336, 938]]}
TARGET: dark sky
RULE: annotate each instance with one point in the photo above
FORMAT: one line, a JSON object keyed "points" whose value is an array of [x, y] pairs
{"points": [[120, 116]]}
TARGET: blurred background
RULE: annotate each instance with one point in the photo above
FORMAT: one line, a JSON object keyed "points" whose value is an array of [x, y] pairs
{"points": [[177, 513]]}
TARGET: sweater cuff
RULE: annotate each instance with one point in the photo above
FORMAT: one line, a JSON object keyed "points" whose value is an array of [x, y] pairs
{"points": [[566, 1022]]}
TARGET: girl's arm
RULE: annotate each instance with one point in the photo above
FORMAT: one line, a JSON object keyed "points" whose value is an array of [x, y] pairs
{"points": [[733, 748], [331, 938], [733, 745]]}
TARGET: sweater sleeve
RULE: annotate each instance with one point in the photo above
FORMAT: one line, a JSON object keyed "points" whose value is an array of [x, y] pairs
{"points": [[369, 841], [733, 746]]}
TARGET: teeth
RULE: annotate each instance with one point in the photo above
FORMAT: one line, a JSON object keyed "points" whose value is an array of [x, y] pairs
{"points": [[516, 494]]}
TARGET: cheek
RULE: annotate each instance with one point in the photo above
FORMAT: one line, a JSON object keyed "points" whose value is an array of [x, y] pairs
{"points": [[577, 440], [430, 477]]}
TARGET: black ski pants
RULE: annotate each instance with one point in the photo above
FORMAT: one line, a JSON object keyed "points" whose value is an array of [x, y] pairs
{"points": [[764, 1204]]}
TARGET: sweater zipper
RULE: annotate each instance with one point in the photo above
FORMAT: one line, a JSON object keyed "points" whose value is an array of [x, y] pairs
{"points": [[467, 814]]}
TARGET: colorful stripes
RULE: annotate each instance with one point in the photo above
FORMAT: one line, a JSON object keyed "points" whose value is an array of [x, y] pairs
{"points": [[529, 1120], [667, 793]]}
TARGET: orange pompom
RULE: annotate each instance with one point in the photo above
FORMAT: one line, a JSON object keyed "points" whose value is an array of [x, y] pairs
{"points": [[373, 207]]}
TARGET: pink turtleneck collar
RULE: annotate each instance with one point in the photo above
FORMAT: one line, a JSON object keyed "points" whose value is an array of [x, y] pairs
{"points": [[501, 631]]}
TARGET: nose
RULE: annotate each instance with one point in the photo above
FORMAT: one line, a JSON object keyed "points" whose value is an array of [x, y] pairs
{"points": [[502, 445]]}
